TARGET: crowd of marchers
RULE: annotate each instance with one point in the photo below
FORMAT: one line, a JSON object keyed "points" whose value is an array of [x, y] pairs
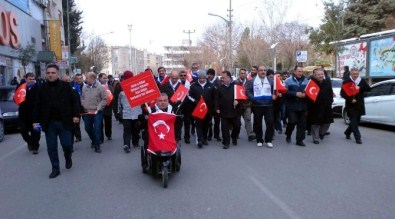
{"points": [[57, 104]]}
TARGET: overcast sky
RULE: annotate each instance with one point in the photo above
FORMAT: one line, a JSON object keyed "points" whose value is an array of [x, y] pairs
{"points": [[157, 23]]}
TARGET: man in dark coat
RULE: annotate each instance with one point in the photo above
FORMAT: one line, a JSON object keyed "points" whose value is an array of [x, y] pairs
{"points": [[30, 136], [203, 88], [170, 88], [229, 109], [217, 119], [320, 114], [77, 85], [55, 110], [355, 104]]}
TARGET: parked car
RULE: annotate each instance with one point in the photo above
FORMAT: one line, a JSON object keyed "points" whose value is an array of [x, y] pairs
{"points": [[9, 110], [379, 104], [338, 101], [1, 127]]}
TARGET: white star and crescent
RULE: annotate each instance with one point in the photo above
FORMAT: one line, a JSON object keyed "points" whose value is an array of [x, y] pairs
{"points": [[313, 91], [161, 122], [202, 107]]}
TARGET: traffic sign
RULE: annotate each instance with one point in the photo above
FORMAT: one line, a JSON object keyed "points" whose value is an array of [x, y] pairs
{"points": [[301, 56], [73, 59]]}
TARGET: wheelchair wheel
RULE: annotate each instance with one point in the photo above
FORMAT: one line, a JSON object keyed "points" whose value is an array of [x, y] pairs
{"points": [[165, 177], [143, 160], [178, 160]]}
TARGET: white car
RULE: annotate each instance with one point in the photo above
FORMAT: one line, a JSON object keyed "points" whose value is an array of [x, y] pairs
{"points": [[338, 101], [379, 104]]}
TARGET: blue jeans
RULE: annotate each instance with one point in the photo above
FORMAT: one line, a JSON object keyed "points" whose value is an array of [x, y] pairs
{"points": [[55, 129], [93, 126]]}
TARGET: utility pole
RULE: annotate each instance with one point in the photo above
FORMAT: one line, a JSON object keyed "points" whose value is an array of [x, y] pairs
{"points": [[230, 10], [130, 46], [189, 32], [68, 34]]}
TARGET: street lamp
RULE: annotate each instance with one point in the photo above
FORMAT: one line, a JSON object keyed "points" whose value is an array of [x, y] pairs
{"points": [[229, 25], [273, 47]]}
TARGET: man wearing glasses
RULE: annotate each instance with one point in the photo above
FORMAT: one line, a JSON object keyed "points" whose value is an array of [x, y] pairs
{"points": [[55, 111]]}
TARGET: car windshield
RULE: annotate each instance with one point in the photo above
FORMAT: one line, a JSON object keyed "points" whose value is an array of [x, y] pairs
{"points": [[6, 95], [337, 83]]}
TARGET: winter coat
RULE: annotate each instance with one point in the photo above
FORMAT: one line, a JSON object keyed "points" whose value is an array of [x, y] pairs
{"points": [[224, 100], [357, 108], [294, 85], [320, 111]]}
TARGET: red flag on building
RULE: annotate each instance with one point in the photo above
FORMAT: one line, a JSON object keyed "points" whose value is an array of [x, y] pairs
{"points": [[109, 95], [161, 135], [240, 93], [180, 94], [312, 90], [350, 89], [20, 94], [165, 79], [278, 85], [201, 109]]}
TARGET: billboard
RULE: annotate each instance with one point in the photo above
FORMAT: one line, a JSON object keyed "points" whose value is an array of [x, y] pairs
{"points": [[54, 38], [382, 57], [354, 56]]}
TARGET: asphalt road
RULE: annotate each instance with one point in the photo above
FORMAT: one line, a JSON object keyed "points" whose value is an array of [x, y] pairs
{"points": [[335, 179]]}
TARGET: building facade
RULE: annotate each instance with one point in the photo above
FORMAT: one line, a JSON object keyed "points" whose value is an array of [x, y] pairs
{"points": [[25, 22]]}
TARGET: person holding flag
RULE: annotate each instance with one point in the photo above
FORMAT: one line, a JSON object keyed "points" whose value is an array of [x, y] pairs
{"points": [[176, 96], [352, 91], [296, 104], [245, 104], [107, 111], [187, 108], [29, 135], [260, 91], [228, 107], [320, 114], [202, 93]]}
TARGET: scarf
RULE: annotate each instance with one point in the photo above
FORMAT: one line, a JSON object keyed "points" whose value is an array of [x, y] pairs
{"points": [[174, 85], [169, 109], [262, 89], [357, 81]]}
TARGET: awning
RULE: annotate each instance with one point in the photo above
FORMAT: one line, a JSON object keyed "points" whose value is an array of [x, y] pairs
{"points": [[46, 56]]}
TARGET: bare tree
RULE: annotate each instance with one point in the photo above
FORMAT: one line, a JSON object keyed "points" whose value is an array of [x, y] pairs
{"points": [[25, 54], [98, 54]]}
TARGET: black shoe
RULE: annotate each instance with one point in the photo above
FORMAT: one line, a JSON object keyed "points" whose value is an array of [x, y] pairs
{"points": [[54, 174], [251, 138], [200, 145], [322, 136], [347, 135], [98, 150], [101, 141], [234, 142], [35, 151], [29, 147], [308, 132], [77, 140], [288, 139], [126, 149], [209, 138], [205, 143], [327, 133], [218, 138], [109, 138], [358, 141], [69, 163], [316, 142], [300, 143], [225, 146], [187, 141]]}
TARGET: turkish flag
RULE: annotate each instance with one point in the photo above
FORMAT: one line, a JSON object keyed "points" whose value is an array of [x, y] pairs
{"points": [[165, 79], [201, 109], [189, 75], [161, 135], [240, 93], [20, 94], [109, 95], [312, 90], [350, 89], [278, 85], [180, 94]]}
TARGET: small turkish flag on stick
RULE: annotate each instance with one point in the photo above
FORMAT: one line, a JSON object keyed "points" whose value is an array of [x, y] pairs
{"points": [[240, 93], [109, 95], [180, 94], [312, 90], [201, 109], [20, 94]]}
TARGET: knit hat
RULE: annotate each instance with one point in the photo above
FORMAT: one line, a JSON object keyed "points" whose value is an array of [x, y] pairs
{"points": [[127, 74], [202, 74]]}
